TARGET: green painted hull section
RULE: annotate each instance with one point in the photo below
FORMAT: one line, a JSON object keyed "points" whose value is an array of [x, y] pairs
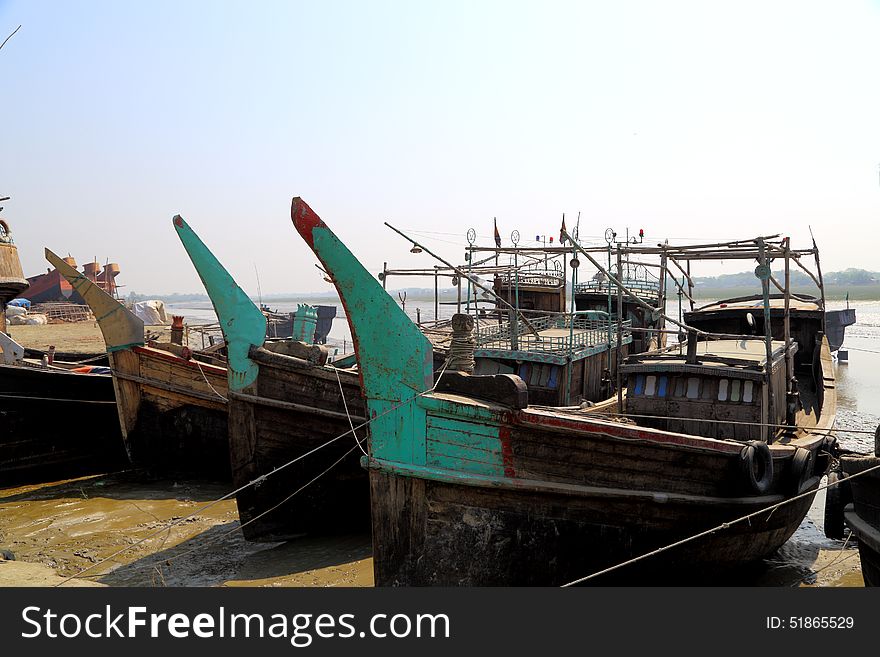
{"points": [[119, 326], [394, 357], [241, 321], [455, 448]]}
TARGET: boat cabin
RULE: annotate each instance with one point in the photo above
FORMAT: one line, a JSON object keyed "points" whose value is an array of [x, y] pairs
{"points": [[745, 316], [599, 293], [563, 358], [532, 288], [706, 388]]}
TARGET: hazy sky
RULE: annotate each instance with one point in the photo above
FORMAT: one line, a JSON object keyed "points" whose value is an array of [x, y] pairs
{"points": [[698, 120]]}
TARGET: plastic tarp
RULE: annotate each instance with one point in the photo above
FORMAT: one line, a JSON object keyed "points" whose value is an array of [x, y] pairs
{"points": [[152, 312]]}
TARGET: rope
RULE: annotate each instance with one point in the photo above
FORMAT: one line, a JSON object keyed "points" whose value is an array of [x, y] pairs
{"points": [[199, 365], [724, 525], [256, 481], [836, 559], [462, 345], [244, 524], [753, 424], [347, 414]]}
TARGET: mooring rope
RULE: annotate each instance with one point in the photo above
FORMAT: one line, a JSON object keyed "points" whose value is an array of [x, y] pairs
{"points": [[722, 526], [347, 414], [235, 529], [793, 427], [836, 559], [199, 365]]}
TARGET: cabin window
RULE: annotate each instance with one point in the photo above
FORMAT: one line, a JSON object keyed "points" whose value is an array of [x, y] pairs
{"points": [[708, 389], [661, 386], [650, 385], [735, 387], [722, 390], [679, 386], [539, 375], [748, 386], [640, 384], [693, 391]]}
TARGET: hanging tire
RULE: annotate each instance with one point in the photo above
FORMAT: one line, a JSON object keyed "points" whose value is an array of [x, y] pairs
{"points": [[756, 463], [836, 498], [802, 465]]}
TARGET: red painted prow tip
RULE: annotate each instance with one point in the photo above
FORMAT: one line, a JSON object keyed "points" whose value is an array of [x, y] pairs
{"points": [[178, 221], [305, 219]]}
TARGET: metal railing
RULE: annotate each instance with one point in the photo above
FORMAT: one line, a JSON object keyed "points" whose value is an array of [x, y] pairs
{"points": [[556, 333]]}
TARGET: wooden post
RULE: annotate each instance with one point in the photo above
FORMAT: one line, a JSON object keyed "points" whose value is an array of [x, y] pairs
{"points": [[384, 274], [768, 342], [690, 285], [458, 308], [821, 281], [436, 295], [619, 331], [661, 301], [789, 365]]}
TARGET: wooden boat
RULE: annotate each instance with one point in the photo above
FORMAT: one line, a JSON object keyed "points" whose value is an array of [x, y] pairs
{"points": [[565, 358], [600, 294], [863, 514], [472, 486], [171, 407], [284, 402], [836, 322], [56, 421], [280, 325]]}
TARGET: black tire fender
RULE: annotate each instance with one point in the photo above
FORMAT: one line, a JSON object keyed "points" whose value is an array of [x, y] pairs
{"points": [[756, 463], [802, 465], [837, 496]]}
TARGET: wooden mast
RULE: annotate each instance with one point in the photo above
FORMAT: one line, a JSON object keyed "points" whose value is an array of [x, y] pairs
{"points": [[789, 365], [764, 275], [619, 331]]}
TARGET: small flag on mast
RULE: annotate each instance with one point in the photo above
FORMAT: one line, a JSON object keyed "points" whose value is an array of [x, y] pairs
{"points": [[562, 230], [497, 234]]}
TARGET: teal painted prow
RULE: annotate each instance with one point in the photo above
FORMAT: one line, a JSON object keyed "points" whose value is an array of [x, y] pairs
{"points": [[394, 358], [241, 321], [120, 327]]}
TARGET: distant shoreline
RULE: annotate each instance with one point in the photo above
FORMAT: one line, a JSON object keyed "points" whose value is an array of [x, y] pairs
{"points": [[832, 293]]}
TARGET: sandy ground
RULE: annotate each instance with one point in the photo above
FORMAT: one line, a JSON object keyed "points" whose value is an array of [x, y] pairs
{"points": [[70, 337], [76, 528], [73, 337]]}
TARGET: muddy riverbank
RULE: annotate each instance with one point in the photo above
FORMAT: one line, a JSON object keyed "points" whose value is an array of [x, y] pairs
{"points": [[111, 530]]}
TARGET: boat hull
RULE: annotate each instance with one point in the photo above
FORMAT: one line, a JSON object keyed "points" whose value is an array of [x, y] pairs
{"points": [[172, 412], [291, 409], [514, 536], [863, 515], [57, 423]]}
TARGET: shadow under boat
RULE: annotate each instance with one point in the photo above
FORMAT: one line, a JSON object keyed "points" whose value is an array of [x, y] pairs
{"points": [[472, 486], [285, 403]]}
